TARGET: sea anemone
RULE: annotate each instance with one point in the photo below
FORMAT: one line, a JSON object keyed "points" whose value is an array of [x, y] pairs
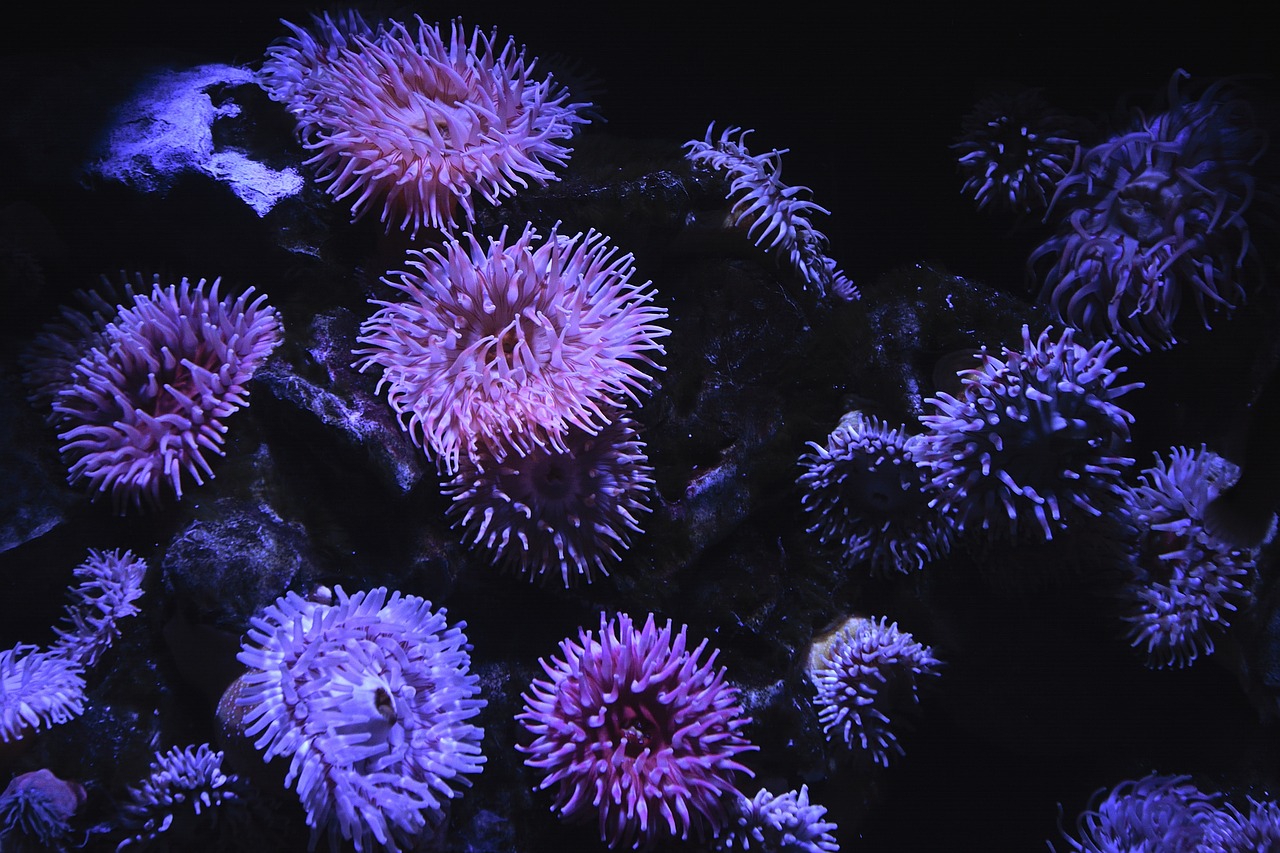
{"points": [[1255, 832], [110, 583], [1014, 149], [38, 689], [864, 670], [1184, 583], [148, 398], [867, 495], [513, 345], [50, 359], [36, 810], [634, 730], [404, 120], [550, 511], [1153, 216], [1156, 813], [776, 216], [183, 801], [1033, 438], [785, 823], [369, 699]]}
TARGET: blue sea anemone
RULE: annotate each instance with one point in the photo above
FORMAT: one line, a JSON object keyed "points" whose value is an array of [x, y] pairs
{"points": [[38, 689], [1155, 813], [866, 494], [785, 823], [183, 801], [1154, 216], [1034, 438], [110, 583], [36, 811]]}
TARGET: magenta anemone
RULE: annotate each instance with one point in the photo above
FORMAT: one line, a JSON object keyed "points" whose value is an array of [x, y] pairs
{"points": [[1156, 216], [866, 495], [369, 699], [569, 512], [418, 122], [1183, 583], [863, 671], [1034, 438], [513, 345], [632, 729]]}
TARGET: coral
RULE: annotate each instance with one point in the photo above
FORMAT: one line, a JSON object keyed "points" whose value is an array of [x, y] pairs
{"points": [[785, 823], [38, 689], [1156, 813], [369, 698], [550, 511], [1034, 438], [1183, 583], [864, 670], [776, 216], [36, 809], [632, 729], [866, 494], [513, 345], [1154, 216], [183, 801], [147, 400], [110, 582], [404, 120], [1013, 150]]}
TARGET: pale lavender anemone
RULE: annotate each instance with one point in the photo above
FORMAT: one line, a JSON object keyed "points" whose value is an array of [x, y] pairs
{"points": [[1013, 150], [1156, 813], [416, 122], [866, 495], [1035, 439], [1184, 584], [370, 700], [514, 344], [38, 690], [634, 731], [110, 583], [551, 512], [864, 671], [148, 398], [1154, 217], [782, 823], [185, 802]]}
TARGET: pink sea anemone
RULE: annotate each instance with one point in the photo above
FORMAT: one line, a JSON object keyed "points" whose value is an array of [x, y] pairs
{"points": [[1034, 439], [419, 122], [148, 398], [548, 511], [513, 345], [369, 698], [637, 732]]}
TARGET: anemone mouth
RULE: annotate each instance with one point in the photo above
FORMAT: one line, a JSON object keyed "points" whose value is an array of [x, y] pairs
{"points": [[638, 724], [551, 480]]}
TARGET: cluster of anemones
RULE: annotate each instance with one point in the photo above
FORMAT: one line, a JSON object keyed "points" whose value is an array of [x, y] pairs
{"points": [[148, 396], [864, 670], [369, 698], [418, 121], [513, 363], [777, 217], [1153, 217], [634, 730], [867, 496], [1014, 149], [1183, 583], [1034, 438]]}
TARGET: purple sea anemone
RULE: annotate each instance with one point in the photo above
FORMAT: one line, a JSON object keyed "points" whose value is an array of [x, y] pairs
{"points": [[1033, 438], [1155, 813], [513, 345], [36, 809], [776, 216], [180, 800], [369, 698], [785, 823], [1014, 150], [867, 495], [404, 120], [1153, 216], [550, 511], [1184, 583], [1255, 832], [637, 732], [110, 583], [147, 400], [863, 671], [38, 689]]}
